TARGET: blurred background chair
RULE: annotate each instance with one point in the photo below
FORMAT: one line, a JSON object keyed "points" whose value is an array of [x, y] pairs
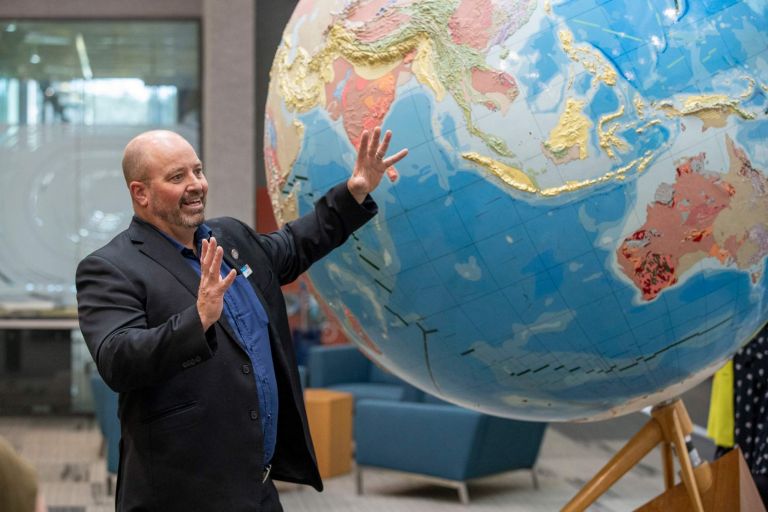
{"points": [[105, 407], [447, 443], [345, 368]]}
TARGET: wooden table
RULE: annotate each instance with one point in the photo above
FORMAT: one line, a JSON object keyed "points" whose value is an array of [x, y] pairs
{"points": [[329, 414]]}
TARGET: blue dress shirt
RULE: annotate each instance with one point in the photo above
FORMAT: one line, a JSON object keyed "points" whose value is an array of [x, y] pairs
{"points": [[246, 315]]}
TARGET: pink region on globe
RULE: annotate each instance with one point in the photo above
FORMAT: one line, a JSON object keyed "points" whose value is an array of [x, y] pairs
{"points": [[677, 224], [366, 11], [365, 103], [341, 71], [471, 22], [491, 81]]}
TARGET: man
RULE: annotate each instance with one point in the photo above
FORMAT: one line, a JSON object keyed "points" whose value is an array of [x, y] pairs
{"points": [[186, 320]]}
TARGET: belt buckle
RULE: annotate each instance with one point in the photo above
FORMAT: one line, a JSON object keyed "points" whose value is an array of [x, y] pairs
{"points": [[267, 471]]}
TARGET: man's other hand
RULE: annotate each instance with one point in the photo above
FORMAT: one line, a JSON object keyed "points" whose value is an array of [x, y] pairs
{"points": [[210, 295]]}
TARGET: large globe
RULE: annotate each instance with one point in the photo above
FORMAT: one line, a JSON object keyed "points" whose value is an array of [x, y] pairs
{"points": [[581, 226]]}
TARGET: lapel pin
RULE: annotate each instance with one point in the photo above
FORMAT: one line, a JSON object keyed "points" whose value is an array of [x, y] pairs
{"points": [[246, 271], [234, 253]]}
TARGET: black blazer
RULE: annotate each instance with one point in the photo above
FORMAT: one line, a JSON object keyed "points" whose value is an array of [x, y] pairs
{"points": [[188, 408]]}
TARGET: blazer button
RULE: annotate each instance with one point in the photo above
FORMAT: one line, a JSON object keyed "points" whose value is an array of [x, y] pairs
{"points": [[254, 415], [246, 369]]}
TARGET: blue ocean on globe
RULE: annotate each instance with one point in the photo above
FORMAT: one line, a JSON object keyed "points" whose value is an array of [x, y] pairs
{"points": [[580, 228]]}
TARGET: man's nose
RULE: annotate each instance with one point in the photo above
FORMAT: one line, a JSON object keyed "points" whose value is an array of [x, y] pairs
{"points": [[196, 182]]}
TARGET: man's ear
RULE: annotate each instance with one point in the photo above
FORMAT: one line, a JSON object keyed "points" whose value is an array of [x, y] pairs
{"points": [[139, 192]]}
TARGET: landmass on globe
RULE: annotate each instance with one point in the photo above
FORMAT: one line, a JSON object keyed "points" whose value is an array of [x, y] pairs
{"points": [[703, 214]]}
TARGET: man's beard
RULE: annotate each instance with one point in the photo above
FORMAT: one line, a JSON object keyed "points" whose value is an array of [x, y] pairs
{"points": [[175, 215]]}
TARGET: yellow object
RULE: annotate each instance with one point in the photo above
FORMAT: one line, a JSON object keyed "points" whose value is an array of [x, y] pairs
{"points": [[720, 424], [329, 414], [18, 481]]}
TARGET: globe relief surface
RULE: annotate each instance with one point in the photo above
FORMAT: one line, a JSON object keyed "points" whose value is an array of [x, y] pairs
{"points": [[581, 226]]}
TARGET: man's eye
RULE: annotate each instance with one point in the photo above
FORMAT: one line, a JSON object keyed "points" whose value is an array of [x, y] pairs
{"points": [[198, 172], [176, 177]]}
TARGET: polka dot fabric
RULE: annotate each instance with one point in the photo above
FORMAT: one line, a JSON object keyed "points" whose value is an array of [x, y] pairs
{"points": [[750, 366]]}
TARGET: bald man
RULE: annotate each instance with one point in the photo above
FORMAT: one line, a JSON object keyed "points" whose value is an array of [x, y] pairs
{"points": [[184, 317]]}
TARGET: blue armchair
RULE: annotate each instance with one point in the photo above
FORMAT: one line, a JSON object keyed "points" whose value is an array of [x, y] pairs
{"points": [[442, 441], [105, 407], [345, 368]]}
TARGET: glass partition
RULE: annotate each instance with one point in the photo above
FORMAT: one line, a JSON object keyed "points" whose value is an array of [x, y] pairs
{"points": [[72, 94]]}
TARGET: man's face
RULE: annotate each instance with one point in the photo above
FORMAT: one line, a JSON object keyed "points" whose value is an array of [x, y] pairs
{"points": [[176, 187]]}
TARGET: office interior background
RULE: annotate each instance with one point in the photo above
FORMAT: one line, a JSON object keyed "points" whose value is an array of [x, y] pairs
{"points": [[199, 68], [78, 79]]}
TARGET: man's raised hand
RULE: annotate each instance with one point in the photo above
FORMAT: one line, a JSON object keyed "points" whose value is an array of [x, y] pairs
{"points": [[371, 163], [210, 294]]}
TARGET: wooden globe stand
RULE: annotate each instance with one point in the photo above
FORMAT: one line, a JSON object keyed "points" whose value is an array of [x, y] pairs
{"points": [[723, 485]]}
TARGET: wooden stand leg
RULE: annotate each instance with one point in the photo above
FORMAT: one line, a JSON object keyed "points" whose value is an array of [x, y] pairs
{"points": [[630, 454], [669, 465], [686, 469], [669, 424]]}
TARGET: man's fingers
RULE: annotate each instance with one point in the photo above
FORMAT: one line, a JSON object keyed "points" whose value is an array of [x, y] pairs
{"points": [[227, 281], [373, 149], [362, 151], [396, 157], [382, 151], [207, 260], [216, 263], [212, 266]]}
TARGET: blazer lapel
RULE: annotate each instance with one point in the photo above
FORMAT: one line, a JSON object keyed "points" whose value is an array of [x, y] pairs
{"points": [[151, 243]]}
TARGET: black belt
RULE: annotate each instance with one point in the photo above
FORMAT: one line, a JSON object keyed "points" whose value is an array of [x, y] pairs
{"points": [[265, 474]]}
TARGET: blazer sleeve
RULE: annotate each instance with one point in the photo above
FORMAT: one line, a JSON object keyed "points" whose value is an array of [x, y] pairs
{"points": [[305, 240], [128, 353]]}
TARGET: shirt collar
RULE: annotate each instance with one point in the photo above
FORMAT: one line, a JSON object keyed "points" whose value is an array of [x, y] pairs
{"points": [[202, 232]]}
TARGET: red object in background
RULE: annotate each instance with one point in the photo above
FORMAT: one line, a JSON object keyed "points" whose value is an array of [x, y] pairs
{"points": [[331, 329], [265, 218]]}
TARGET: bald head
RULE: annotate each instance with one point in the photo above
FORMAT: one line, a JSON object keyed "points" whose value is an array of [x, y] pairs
{"points": [[143, 151], [167, 184]]}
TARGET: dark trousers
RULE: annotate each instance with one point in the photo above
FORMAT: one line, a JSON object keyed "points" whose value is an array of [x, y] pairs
{"points": [[761, 481]]}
